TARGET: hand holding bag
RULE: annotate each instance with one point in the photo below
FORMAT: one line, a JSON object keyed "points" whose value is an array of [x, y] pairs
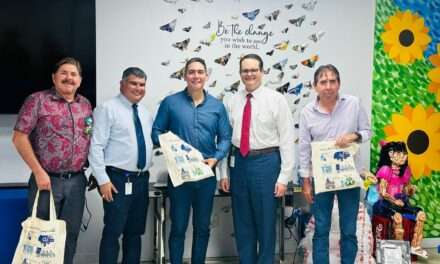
{"points": [[41, 241]]}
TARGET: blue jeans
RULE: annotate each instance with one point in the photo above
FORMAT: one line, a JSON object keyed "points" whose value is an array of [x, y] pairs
{"points": [[127, 216], [69, 197], [199, 195], [254, 206], [322, 206]]}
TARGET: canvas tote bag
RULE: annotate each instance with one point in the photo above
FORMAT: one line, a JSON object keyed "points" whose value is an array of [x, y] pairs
{"points": [[41, 241]]}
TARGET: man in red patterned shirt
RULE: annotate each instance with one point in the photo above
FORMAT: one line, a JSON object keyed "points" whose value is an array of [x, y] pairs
{"points": [[52, 135]]}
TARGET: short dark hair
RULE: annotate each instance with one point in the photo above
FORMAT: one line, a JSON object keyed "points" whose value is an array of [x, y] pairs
{"points": [[133, 71], [195, 59], [325, 68], [67, 60], [255, 57]]}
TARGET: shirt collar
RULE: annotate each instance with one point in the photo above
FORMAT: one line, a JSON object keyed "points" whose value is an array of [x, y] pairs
{"points": [[56, 96], [124, 100], [189, 98], [341, 97], [255, 93]]}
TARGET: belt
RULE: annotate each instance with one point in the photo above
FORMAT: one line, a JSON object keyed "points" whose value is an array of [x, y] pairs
{"points": [[258, 152], [130, 173], [65, 175]]}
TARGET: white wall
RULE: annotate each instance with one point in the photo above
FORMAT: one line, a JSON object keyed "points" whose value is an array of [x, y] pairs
{"points": [[128, 35]]}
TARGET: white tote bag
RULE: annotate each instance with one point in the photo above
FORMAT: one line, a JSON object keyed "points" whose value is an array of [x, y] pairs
{"points": [[333, 167], [41, 241]]}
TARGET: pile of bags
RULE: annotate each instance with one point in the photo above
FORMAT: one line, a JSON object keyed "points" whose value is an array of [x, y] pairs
{"points": [[363, 233]]}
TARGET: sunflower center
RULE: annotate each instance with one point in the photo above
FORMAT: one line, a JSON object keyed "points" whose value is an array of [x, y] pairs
{"points": [[406, 38], [418, 142]]}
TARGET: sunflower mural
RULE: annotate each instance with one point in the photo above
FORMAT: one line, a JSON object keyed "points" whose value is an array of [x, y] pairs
{"points": [[405, 37], [406, 93]]}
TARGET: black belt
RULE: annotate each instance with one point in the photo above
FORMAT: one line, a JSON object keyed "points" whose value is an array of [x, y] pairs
{"points": [[65, 175], [257, 152], [130, 173]]}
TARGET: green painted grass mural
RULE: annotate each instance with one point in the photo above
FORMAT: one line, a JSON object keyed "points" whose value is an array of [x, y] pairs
{"points": [[406, 95]]}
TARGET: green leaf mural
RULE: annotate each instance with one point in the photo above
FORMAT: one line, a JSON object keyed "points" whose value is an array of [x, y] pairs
{"points": [[404, 108]]}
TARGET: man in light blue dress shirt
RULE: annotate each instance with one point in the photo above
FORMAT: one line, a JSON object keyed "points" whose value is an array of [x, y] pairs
{"points": [[201, 120], [113, 158], [339, 117]]}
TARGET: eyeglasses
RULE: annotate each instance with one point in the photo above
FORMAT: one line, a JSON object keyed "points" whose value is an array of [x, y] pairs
{"points": [[251, 71]]}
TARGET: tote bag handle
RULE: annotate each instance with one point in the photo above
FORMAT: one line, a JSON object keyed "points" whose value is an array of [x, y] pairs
{"points": [[52, 212]]}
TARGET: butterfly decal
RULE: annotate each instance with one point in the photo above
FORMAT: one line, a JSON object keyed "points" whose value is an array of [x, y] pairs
{"points": [[170, 26], [313, 23], [207, 25], [279, 78], [283, 89], [270, 53], [187, 29], [310, 62], [252, 14], [282, 45], [293, 67], [300, 48], [297, 21], [178, 74], [261, 26], [280, 65], [297, 101], [316, 36], [233, 88], [310, 5], [284, 31], [165, 63], [223, 60], [266, 71], [181, 10], [213, 83], [272, 16], [289, 6], [182, 45], [295, 76], [306, 94], [296, 90], [235, 16], [198, 49], [208, 41]]}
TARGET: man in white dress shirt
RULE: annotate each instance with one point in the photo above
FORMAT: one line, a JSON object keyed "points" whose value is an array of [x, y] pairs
{"points": [[120, 156], [261, 162]]}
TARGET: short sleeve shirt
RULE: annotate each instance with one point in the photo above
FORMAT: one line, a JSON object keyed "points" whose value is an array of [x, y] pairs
{"points": [[57, 129]]}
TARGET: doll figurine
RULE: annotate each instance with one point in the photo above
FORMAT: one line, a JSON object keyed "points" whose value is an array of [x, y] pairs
{"points": [[394, 189]]}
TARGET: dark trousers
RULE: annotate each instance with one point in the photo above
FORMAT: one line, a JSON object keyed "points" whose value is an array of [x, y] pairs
{"points": [[254, 206], [199, 195], [69, 197], [127, 216]]}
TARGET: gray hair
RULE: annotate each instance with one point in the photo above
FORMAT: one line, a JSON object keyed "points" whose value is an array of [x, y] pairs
{"points": [[133, 71]]}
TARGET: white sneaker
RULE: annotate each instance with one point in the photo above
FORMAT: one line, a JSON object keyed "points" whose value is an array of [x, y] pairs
{"points": [[419, 252]]}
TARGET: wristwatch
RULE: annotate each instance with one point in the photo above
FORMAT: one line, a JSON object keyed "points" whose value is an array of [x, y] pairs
{"points": [[359, 136]]}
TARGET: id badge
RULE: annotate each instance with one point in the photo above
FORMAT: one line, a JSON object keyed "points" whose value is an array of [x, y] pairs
{"points": [[232, 162], [128, 188]]}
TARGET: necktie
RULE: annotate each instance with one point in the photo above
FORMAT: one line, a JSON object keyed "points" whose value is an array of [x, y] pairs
{"points": [[245, 126], [142, 155]]}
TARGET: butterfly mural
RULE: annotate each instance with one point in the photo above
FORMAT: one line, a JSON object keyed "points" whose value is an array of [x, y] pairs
{"points": [[187, 29], [252, 14], [165, 63], [261, 26], [197, 49], [296, 90], [280, 65], [270, 53], [208, 25], [213, 84], [310, 5], [178, 74], [310, 62], [278, 79], [209, 40], [272, 16], [282, 45], [181, 10], [293, 67], [316, 36], [284, 31], [182, 45], [300, 48], [283, 89], [233, 88], [170, 26], [289, 6], [297, 21], [223, 60]]}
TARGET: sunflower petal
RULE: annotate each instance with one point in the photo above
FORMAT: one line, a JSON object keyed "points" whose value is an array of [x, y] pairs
{"points": [[419, 117], [404, 56], [417, 164], [435, 75], [401, 124]]}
